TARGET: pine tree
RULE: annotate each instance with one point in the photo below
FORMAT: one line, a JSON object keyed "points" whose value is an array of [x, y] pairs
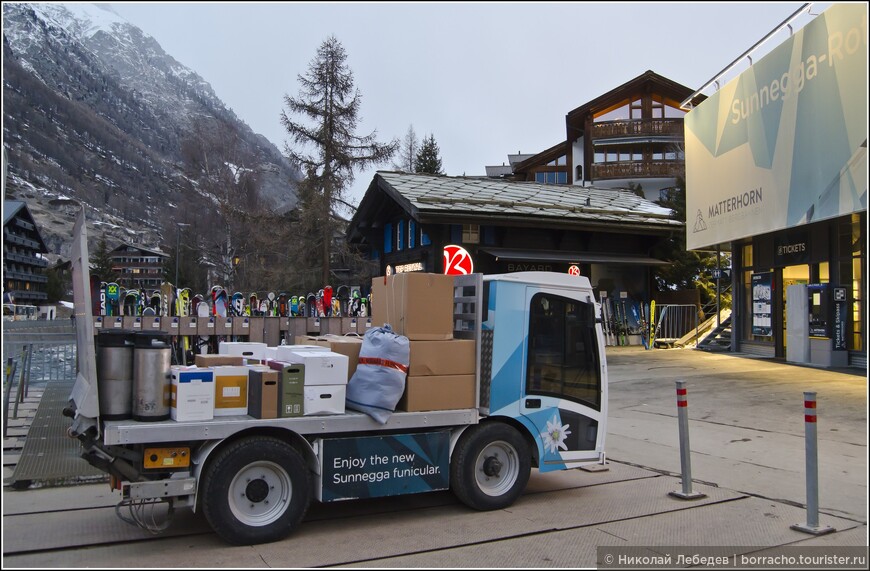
{"points": [[330, 103], [428, 159], [408, 152], [101, 263]]}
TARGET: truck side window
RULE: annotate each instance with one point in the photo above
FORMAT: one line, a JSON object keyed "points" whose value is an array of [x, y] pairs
{"points": [[563, 351]]}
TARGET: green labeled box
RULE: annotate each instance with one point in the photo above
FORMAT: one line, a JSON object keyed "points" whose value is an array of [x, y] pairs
{"points": [[291, 391]]}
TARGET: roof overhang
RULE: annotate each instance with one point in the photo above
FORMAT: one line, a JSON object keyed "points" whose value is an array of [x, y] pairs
{"points": [[510, 254]]}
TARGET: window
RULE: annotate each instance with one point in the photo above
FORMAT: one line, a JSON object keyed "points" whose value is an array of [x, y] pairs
{"points": [[388, 238], [470, 234], [563, 350], [578, 172]]}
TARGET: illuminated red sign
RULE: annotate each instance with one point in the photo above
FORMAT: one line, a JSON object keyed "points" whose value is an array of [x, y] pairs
{"points": [[574, 270], [457, 261]]}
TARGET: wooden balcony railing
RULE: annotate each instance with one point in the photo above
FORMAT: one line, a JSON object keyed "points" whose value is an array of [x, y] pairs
{"points": [[635, 169], [637, 128]]}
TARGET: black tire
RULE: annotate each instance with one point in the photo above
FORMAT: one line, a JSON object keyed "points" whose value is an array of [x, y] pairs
{"points": [[490, 466], [255, 490]]}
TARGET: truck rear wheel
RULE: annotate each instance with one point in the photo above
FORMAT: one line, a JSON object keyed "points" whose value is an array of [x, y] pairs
{"points": [[490, 466], [256, 490]]}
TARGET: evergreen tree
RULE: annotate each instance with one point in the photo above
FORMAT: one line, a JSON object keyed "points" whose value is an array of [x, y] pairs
{"points": [[428, 159], [408, 152], [687, 269], [329, 102], [101, 263]]}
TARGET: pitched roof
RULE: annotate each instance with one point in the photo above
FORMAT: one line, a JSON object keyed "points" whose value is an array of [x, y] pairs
{"points": [[440, 199], [10, 209]]}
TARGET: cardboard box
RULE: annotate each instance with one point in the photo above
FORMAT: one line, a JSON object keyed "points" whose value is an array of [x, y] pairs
{"points": [[436, 392], [322, 366], [263, 385], [324, 399], [212, 360], [450, 357], [290, 388], [344, 345], [191, 394], [231, 390], [416, 305], [242, 349]]}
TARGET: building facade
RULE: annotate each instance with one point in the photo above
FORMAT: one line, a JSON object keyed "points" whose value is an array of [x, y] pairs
{"points": [[137, 268], [776, 167], [24, 281], [631, 136], [406, 222]]}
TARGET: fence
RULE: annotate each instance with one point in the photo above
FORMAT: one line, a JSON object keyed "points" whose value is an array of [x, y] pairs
{"points": [[35, 355], [674, 321]]}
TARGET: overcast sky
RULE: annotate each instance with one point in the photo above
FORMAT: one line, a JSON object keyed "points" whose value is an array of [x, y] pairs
{"points": [[486, 79]]}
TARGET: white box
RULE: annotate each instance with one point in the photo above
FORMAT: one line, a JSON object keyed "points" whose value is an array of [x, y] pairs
{"points": [[248, 350], [231, 390], [322, 367], [285, 352], [270, 354], [324, 399], [191, 394]]}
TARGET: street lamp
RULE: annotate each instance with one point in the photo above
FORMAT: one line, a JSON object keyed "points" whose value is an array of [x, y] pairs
{"points": [[178, 226]]}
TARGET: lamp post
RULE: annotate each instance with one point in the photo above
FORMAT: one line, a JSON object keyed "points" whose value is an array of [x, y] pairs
{"points": [[178, 226]]}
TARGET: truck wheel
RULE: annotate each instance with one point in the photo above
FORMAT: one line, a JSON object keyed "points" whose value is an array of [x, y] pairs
{"points": [[490, 466], [256, 490]]}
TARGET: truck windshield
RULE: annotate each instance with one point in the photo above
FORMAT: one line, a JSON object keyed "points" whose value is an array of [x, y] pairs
{"points": [[563, 351]]}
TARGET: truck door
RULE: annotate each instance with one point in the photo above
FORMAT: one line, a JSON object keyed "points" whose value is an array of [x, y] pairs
{"points": [[565, 398]]}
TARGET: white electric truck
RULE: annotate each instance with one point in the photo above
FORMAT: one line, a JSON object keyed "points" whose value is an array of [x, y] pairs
{"points": [[541, 393]]}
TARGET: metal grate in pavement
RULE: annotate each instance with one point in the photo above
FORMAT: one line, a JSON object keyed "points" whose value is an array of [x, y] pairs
{"points": [[49, 456]]}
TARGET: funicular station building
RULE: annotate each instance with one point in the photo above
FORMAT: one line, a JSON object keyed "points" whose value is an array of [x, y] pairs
{"points": [[777, 174]]}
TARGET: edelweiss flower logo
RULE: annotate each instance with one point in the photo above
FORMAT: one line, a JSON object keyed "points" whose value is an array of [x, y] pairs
{"points": [[555, 435]]}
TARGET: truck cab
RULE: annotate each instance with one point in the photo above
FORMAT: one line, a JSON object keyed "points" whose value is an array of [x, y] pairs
{"points": [[544, 364]]}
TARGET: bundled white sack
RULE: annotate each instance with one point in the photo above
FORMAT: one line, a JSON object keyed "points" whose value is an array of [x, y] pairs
{"points": [[379, 381]]}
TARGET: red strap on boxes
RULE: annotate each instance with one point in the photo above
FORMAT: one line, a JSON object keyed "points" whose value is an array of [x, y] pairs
{"points": [[383, 363]]}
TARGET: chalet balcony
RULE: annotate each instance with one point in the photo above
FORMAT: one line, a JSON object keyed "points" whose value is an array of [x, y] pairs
{"points": [[640, 128], [637, 169]]}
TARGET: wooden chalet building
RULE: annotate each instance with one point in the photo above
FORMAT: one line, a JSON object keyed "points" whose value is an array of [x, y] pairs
{"points": [[404, 221], [631, 135], [137, 267], [24, 280]]}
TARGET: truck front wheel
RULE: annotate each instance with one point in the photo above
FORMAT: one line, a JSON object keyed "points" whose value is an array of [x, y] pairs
{"points": [[256, 490], [490, 466]]}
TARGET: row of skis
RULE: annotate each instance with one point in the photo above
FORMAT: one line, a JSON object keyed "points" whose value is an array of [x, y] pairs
{"points": [[624, 317], [110, 299]]}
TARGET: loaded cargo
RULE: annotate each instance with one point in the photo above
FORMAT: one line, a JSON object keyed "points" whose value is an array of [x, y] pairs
{"points": [[463, 383]]}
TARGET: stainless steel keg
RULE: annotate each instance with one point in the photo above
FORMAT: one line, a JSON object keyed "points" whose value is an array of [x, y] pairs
{"points": [[115, 374], [151, 382]]}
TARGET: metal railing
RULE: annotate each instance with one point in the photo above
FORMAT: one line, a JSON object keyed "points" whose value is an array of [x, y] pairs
{"points": [[675, 321], [34, 354]]}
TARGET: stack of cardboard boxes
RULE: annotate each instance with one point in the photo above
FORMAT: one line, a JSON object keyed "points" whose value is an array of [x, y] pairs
{"points": [[299, 380], [419, 306]]}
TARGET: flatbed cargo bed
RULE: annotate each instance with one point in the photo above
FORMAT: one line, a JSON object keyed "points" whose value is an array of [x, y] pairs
{"points": [[134, 432]]}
